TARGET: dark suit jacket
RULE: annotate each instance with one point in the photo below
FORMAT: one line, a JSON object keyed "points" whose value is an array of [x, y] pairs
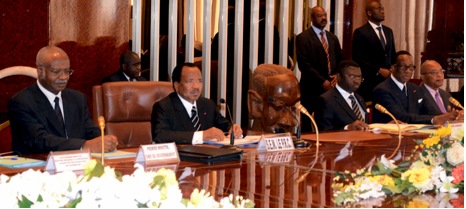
{"points": [[335, 113], [431, 100], [171, 123], [368, 52], [312, 62], [35, 127], [119, 76], [415, 109]]}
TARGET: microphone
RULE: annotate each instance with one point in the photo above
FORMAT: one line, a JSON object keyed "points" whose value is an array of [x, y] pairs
{"points": [[232, 134], [303, 110], [385, 111], [102, 127], [298, 142], [455, 102]]}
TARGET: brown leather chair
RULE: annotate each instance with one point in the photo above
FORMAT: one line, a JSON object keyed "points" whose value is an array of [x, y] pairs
{"points": [[127, 108]]}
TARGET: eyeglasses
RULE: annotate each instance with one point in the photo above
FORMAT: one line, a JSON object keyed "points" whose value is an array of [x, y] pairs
{"points": [[354, 77], [435, 72], [380, 9], [404, 68], [67, 72]]}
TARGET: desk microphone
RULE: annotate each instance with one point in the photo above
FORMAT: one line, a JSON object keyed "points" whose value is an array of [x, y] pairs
{"points": [[232, 134], [303, 110], [102, 127], [385, 111], [298, 142], [455, 102]]}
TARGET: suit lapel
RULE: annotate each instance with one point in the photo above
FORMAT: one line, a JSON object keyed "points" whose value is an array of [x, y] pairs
{"points": [[445, 98], [68, 107], [181, 113], [122, 76], [412, 99], [343, 104], [429, 97], [202, 115], [374, 36], [316, 39], [398, 94], [46, 108]]}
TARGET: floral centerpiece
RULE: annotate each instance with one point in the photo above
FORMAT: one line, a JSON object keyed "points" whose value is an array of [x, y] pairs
{"points": [[104, 187], [436, 164]]}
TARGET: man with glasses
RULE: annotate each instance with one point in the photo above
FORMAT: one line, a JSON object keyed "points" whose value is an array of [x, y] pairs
{"points": [[130, 69], [432, 76], [373, 49], [184, 116], [47, 116], [340, 108], [405, 100]]}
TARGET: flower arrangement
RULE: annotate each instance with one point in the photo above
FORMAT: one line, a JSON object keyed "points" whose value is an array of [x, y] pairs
{"points": [[106, 188], [436, 164]]}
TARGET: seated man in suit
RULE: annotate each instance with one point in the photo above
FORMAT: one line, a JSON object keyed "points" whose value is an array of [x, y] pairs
{"points": [[274, 92], [340, 108], [47, 116], [432, 76], [405, 100], [130, 69], [184, 117]]}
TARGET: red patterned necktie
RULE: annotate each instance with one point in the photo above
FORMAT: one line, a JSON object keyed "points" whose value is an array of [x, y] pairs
{"points": [[324, 44]]}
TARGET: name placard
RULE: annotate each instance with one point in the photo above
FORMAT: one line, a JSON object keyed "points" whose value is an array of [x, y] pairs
{"points": [[275, 142], [155, 168], [154, 154], [457, 128], [67, 160], [276, 157]]}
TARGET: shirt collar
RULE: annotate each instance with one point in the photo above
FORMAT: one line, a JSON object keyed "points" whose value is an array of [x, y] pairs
{"points": [[343, 92], [187, 105], [374, 25], [317, 30], [50, 96], [431, 90], [399, 84], [127, 77]]}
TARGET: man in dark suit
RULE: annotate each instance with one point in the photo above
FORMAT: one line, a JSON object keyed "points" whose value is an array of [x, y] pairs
{"points": [[319, 53], [432, 76], [405, 100], [47, 116], [184, 116], [130, 69], [373, 49], [340, 108]]}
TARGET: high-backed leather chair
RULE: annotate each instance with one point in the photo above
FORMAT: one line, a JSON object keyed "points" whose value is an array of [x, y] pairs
{"points": [[127, 108]]}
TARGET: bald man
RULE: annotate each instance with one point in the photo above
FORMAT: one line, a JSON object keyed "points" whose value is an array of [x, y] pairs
{"points": [[432, 76], [47, 116], [319, 53]]}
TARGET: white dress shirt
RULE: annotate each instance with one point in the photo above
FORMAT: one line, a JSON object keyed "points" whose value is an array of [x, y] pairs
{"points": [[197, 137]]}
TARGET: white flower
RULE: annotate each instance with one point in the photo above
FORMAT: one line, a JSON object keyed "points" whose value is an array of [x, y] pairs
{"points": [[455, 155], [435, 176], [444, 199], [387, 163], [446, 183]]}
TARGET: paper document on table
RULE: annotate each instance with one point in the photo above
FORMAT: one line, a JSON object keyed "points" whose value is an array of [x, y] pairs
{"points": [[243, 141], [114, 154], [403, 127], [19, 162]]}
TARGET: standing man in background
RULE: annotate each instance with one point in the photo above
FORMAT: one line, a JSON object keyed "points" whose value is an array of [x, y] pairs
{"points": [[319, 53], [373, 49]]}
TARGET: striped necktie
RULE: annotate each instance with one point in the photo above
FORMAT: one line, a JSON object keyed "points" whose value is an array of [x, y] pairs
{"points": [[324, 44], [195, 119], [355, 108]]}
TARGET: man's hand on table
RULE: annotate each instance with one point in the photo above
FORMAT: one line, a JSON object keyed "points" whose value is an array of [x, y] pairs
{"points": [[95, 144]]}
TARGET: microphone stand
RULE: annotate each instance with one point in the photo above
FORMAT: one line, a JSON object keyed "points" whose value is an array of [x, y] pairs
{"points": [[385, 111], [102, 126], [232, 134], [304, 111]]}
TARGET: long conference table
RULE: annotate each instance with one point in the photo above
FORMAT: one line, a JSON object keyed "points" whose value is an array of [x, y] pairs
{"points": [[280, 179]]}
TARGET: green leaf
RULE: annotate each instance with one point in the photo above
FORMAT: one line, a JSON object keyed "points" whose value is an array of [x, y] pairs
{"points": [[404, 164], [382, 167], [40, 199], [157, 181], [184, 202], [427, 162], [74, 203], [447, 146], [98, 171], [424, 153], [397, 181], [24, 203], [340, 175], [391, 190], [396, 173]]}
